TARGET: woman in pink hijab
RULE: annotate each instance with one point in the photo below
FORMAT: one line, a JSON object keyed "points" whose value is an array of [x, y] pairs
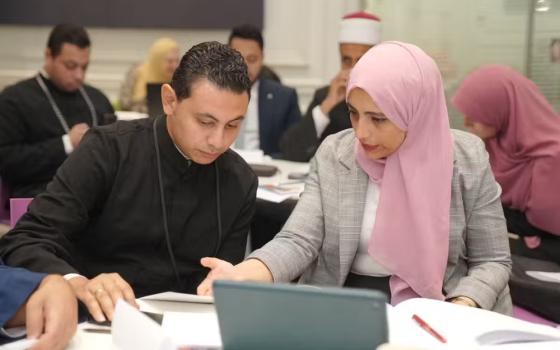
{"points": [[399, 203], [522, 136]]}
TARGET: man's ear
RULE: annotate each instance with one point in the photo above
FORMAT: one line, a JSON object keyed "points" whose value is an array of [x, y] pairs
{"points": [[168, 99], [48, 55]]}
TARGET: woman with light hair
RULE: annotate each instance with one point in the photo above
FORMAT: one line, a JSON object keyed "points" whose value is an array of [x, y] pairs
{"points": [[159, 66]]}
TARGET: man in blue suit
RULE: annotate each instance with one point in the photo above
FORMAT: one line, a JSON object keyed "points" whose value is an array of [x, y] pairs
{"points": [[273, 107], [45, 304]]}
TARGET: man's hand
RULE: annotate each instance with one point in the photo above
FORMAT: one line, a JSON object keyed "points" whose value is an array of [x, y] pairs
{"points": [[101, 293], [337, 91], [51, 314], [77, 132]]}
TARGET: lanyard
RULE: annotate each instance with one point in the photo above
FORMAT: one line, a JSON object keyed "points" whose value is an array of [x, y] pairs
{"points": [[57, 111]]}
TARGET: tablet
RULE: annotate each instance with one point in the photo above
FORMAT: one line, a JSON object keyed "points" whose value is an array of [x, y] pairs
{"points": [[288, 316]]}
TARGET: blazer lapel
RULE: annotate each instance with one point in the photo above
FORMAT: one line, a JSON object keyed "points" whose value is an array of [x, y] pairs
{"points": [[352, 192]]}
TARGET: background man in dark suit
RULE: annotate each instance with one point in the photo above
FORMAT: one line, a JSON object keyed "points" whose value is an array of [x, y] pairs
{"points": [[327, 114], [273, 107]]}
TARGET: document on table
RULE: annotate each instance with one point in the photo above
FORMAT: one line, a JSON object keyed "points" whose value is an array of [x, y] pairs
{"points": [[194, 329], [180, 297], [132, 330]]}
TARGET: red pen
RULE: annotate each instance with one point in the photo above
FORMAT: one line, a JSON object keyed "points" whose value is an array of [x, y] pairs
{"points": [[425, 326]]}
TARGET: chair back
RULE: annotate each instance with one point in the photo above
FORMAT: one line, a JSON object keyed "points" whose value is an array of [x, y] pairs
{"points": [[18, 207]]}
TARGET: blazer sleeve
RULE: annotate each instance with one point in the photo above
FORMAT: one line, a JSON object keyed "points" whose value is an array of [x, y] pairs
{"points": [[297, 245], [488, 255], [15, 287]]}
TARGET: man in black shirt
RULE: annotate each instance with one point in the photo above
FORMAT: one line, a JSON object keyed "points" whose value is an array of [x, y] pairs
{"points": [[43, 118], [136, 206]]}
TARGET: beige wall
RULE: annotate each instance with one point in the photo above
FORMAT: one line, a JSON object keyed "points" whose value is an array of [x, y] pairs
{"points": [[459, 35], [300, 39]]}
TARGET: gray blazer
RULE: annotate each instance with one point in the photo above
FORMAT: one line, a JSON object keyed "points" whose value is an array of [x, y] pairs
{"points": [[320, 239]]}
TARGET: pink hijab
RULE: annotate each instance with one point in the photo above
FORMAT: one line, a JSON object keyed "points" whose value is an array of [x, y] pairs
{"points": [[525, 154], [411, 232]]}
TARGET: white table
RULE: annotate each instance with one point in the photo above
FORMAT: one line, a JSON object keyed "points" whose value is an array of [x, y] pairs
{"points": [[91, 341], [98, 341]]}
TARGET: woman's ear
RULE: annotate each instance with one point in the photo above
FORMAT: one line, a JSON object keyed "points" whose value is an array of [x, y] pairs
{"points": [[168, 99]]}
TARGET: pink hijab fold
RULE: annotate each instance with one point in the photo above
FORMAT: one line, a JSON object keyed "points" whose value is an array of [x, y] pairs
{"points": [[525, 154], [411, 231]]}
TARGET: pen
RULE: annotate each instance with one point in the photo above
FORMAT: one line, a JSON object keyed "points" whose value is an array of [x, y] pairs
{"points": [[425, 326]]}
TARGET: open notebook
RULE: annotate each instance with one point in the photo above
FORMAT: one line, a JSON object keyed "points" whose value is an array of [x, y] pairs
{"points": [[461, 326]]}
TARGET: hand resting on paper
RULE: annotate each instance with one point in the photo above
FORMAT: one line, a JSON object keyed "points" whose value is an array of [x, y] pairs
{"points": [[101, 293], [248, 270]]}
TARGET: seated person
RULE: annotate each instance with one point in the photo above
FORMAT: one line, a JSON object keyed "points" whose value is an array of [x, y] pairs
{"points": [[522, 134], [136, 206], [273, 107], [43, 118], [46, 305], [400, 204], [327, 113], [159, 66]]}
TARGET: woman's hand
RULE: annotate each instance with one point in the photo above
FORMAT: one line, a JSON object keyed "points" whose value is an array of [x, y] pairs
{"points": [[249, 270], [462, 300]]}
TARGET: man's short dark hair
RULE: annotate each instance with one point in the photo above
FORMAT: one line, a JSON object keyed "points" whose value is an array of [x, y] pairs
{"points": [[67, 34], [247, 31], [214, 61]]}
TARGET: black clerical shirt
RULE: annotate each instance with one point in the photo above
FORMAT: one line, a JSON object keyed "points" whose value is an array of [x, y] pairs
{"points": [[102, 211], [31, 147]]}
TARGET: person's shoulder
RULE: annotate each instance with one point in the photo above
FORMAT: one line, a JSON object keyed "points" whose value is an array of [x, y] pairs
{"points": [[337, 146], [468, 150], [22, 86], [232, 163], [274, 86], [123, 129]]}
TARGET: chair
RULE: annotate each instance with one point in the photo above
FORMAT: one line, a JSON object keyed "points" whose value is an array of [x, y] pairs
{"points": [[534, 300], [18, 207], [526, 315]]}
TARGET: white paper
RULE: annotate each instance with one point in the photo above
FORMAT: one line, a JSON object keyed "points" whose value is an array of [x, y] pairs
{"points": [[130, 115], [467, 329], [545, 276], [279, 193], [180, 297], [199, 329], [19, 344], [255, 156], [132, 330]]}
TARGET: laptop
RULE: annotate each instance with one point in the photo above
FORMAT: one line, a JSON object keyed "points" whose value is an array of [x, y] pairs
{"points": [[153, 99], [288, 316]]}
